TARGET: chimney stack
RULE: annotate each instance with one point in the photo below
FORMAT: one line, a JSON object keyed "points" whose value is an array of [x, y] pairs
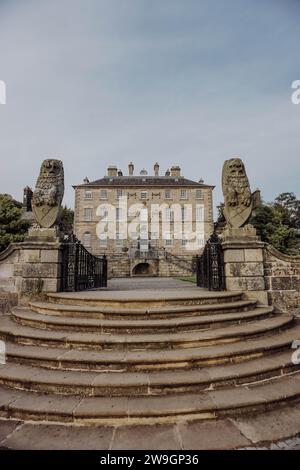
{"points": [[130, 168], [175, 171], [156, 169], [112, 171]]}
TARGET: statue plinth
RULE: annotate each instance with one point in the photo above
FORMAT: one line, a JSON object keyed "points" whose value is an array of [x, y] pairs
{"points": [[41, 234], [41, 257], [243, 259], [246, 233]]}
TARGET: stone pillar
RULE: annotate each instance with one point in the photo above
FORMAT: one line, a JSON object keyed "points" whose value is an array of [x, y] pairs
{"points": [[244, 262], [39, 267]]}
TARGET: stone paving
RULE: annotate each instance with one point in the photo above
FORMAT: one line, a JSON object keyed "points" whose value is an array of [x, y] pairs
{"points": [[150, 283], [245, 433]]}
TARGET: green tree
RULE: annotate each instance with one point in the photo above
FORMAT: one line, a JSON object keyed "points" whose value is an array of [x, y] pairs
{"points": [[278, 223], [12, 227], [289, 206], [66, 220]]}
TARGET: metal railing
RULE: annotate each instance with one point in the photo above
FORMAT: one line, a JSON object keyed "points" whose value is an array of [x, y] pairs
{"points": [[80, 269], [210, 265]]}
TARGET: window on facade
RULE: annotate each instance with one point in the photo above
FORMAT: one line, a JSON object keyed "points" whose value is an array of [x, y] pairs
{"points": [[119, 193], [103, 194], [200, 240], [200, 214], [103, 212], [169, 214], [168, 239], [87, 239], [199, 194], [119, 213], [183, 194], [184, 240], [184, 213], [88, 195], [119, 239], [87, 214], [144, 194], [144, 215], [168, 194], [103, 240]]}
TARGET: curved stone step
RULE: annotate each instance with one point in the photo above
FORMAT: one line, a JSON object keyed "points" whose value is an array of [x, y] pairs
{"points": [[144, 383], [152, 359], [147, 298], [27, 317], [128, 410], [90, 311], [11, 331]]}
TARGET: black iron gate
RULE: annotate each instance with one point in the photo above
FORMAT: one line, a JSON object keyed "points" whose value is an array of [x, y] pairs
{"points": [[210, 265], [80, 269]]}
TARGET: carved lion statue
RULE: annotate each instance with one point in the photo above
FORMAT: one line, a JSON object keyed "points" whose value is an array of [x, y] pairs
{"points": [[49, 191], [238, 201]]}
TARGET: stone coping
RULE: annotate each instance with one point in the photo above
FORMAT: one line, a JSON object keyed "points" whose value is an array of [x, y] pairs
{"points": [[282, 256], [28, 245]]}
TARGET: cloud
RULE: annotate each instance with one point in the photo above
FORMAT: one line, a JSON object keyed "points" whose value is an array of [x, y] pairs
{"points": [[110, 81]]}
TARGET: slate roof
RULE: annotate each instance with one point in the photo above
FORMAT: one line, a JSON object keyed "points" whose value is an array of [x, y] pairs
{"points": [[148, 181]]}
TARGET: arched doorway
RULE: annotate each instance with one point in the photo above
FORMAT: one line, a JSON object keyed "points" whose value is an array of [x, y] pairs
{"points": [[142, 269]]}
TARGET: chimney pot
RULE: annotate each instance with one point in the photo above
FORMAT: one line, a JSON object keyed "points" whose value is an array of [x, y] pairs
{"points": [[156, 169], [175, 171], [112, 171], [130, 168]]}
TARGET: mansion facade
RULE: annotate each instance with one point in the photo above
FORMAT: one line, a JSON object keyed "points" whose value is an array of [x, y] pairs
{"points": [[144, 224]]}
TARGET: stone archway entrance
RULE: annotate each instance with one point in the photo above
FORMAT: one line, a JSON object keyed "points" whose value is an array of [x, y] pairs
{"points": [[143, 269]]}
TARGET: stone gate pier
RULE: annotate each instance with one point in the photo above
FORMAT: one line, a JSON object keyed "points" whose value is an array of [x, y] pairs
{"points": [[32, 267], [244, 262]]}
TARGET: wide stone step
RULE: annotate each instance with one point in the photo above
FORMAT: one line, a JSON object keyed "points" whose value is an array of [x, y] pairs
{"points": [[12, 331], [210, 404], [144, 383], [140, 313], [147, 298], [27, 317], [152, 359]]}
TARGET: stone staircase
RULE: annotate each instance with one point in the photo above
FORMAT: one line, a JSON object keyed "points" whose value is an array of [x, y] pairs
{"points": [[146, 357], [181, 262]]}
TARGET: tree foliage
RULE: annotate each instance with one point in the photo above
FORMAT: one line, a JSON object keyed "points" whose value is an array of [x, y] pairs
{"points": [[278, 223], [12, 227], [66, 220]]}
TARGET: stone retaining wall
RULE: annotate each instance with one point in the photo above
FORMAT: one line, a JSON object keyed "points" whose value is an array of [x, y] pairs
{"points": [[282, 279], [120, 265]]}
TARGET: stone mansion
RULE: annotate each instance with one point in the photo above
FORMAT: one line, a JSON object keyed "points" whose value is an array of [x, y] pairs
{"points": [[139, 221]]}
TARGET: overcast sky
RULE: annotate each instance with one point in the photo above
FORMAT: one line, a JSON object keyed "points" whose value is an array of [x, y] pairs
{"points": [[188, 82]]}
